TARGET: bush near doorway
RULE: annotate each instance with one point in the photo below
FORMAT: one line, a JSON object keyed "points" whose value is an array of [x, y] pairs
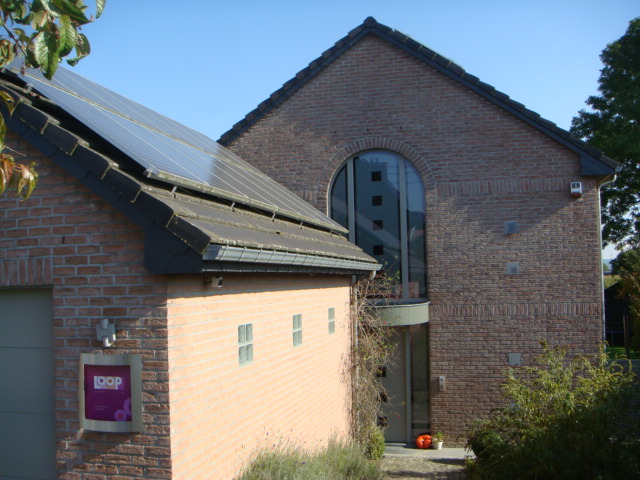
{"points": [[569, 419]]}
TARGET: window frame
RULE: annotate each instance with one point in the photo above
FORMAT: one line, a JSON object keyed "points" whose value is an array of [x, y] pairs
{"points": [[297, 330], [348, 166], [245, 344]]}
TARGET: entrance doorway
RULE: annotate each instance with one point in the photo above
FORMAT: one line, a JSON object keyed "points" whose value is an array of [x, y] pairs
{"points": [[396, 408], [406, 381]]}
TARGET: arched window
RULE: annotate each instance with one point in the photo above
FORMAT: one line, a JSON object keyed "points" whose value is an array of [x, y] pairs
{"points": [[379, 197]]}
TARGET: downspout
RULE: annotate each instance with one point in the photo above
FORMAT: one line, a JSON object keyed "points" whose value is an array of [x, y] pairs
{"points": [[603, 319]]}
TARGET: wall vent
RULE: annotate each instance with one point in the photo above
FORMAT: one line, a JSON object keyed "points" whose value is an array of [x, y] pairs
{"points": [[513, 268], [515, 359], [511, 228]]}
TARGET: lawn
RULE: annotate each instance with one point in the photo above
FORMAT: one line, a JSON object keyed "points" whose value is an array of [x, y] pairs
{"points": [[614, 352]]}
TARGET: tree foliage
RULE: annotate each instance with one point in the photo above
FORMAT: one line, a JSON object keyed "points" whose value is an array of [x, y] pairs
{"points": [[627, 267], [613, 125], [39, 34], [569, 419]]}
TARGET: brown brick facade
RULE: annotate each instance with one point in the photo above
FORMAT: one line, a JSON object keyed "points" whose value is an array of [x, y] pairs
{"points": [[481, 166]]}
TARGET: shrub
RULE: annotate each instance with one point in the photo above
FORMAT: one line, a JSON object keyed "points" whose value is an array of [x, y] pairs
{"points": [[338, 461], [566, 419], [374, 448]]}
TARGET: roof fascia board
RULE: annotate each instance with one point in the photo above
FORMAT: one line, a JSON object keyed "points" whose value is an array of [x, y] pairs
{"points": [[245, 255]]}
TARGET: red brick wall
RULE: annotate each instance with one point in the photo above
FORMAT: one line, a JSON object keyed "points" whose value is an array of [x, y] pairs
{"points": [[481, 166], [65, 237], [222, 412]]}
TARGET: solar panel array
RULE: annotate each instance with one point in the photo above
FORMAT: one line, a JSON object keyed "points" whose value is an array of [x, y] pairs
{"points": [[169, 151]]}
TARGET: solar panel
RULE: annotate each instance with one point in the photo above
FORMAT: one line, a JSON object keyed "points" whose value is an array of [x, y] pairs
{"points": [[169, 151]]}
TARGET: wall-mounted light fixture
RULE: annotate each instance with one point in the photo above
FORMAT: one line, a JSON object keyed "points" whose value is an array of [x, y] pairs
{"points": [[213, 281], [106, 333]]}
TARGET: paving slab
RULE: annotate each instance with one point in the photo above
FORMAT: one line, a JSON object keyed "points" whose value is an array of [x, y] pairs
{"points": [[405, 462]]}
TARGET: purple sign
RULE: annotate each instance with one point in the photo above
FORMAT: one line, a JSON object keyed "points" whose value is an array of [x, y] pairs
{"points": [[107, 391]]}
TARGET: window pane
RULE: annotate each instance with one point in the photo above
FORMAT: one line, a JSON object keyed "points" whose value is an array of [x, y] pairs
{"points": [[242, 338], [339, 209], [384, 244], [419, 378], [416, 233]]}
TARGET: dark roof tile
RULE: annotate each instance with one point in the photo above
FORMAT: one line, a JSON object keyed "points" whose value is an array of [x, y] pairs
{"points": [[470, 78], [128, 186], [66, 141]]}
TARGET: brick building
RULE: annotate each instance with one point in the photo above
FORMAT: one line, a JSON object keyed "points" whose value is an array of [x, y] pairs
{"points": [[228, 296], [487, 213]]}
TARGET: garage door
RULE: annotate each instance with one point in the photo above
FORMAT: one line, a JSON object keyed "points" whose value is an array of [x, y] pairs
{"points": [[27, 425]]}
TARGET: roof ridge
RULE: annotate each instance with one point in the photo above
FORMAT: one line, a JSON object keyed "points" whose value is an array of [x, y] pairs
{"points": [[428, 56]]}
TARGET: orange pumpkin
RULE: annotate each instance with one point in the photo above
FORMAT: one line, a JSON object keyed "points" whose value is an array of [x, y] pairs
{"points": [[423, 441]]}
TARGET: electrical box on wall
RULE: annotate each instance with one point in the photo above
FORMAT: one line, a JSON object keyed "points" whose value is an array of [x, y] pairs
{"points": [[575, 189]]}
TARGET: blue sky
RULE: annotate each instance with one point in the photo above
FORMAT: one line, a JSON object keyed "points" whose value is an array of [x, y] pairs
{"points": [[208, 63]]}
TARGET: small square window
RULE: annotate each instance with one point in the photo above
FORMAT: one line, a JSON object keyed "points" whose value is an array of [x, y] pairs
{"points": [[376, 200], [513, 268], [378, 249], [378, 224], [245, 343], [332, 321], [376, 176], [511, 228], [297, 330]]}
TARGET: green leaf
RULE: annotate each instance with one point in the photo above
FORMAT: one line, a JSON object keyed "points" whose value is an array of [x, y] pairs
{"points": [[22, 14], [3, 132], [39, 20], [8, 100], [68, 36], [40, 49], [6, 171], [100, 4], [6, 52], [72, 10], [3, 179], [50, 67], [82, 49]]}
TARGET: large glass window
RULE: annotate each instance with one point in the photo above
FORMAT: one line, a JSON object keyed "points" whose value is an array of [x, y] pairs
{"points": [[379, 197]]}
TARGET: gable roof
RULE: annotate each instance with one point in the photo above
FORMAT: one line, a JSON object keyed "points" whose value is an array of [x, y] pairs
{"points": [[201, 207], [593, 162]]}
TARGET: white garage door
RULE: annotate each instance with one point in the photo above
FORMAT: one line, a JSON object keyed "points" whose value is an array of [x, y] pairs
{"points": [[27, 425]]}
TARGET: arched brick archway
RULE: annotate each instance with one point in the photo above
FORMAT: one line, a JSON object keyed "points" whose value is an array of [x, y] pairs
{"points": [[373, 143]]}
